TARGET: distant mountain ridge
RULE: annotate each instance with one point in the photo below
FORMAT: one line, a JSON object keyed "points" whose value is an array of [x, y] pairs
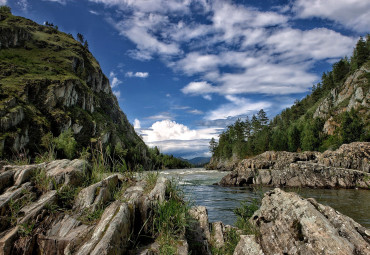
{"points": [[199, 161]]}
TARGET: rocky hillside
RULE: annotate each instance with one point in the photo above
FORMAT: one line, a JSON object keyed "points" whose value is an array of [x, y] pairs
{"points": [[347, 167], [50, 83], [336, 112]]}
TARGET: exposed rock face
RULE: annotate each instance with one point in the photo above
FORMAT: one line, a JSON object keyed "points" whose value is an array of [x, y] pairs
{"points": [[67, 91], [347, 167], [223, 164], [353, 94], [37, 228], [289, 224]]}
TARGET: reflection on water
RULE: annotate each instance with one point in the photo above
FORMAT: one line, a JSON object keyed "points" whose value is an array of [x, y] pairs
{"points": [[220, 201]]}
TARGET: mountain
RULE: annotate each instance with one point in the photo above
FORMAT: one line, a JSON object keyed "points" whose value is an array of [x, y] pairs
{"points": [[51, 83], [336, 112], [199, 161]]}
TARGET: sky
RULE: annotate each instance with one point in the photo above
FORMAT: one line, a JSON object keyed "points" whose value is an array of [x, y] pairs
{"points": [[182, 70]]}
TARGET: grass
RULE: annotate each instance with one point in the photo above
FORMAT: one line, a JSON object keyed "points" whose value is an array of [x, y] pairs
{"points": [[244, 212], [232, 239], [170, 218], [92, 216], [151, 180], [42, 181], [16, 205], [26, 228]]}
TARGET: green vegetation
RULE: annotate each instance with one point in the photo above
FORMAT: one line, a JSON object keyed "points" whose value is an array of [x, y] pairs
{"points": [[244, 213], [170, 218], [151, 180], [232, 238], [295, 129]]}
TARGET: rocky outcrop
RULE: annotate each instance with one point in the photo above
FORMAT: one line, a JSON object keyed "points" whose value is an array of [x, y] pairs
{"points": [[354, 93], [222, 164], [289, 224], [347, 167], [107, 217], [286, 224]]}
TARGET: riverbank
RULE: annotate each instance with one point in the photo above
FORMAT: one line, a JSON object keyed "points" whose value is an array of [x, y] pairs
{"points": [[347, 167]]}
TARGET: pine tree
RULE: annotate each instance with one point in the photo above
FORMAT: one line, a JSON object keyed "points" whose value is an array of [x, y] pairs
{"points": [[80, 38]]}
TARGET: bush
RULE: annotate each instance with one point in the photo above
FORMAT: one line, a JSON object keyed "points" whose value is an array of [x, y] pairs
{"points": [[5, 9], [66, 143]]}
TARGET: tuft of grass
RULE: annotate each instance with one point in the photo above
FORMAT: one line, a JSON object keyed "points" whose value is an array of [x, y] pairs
{"points": [[170, 219], [26, 228], [151, 180], [66, 196], [16, 205], [232, 239], [42, 180], [92, 216], [244, 212]]}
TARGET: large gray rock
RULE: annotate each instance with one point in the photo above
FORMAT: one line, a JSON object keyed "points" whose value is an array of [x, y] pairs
{"points": [[347, 167], [289, 224]]}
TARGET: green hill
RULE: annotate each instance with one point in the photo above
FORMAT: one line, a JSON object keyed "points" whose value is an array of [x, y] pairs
{"points": [[336, 112], [54, 96]]}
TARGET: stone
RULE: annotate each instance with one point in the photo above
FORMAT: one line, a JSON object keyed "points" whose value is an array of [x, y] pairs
{"points": [[199, 234], [111, 235], [67, 172], [248, 246], [96, 195], [290, 224]]}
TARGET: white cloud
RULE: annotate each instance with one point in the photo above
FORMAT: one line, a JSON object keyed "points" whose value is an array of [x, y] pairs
{"points": [[115, 82], [171, 137], [137, 124], [160, 116], [237, 106], [195, 111], [23, 4], [207, 97], [137, 74], [62, 2], [2, 2], [353, 14], [198, 88], [94, 12], [117, 93]]}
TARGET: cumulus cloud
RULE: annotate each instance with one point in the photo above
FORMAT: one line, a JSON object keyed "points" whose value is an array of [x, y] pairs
{"points": [[173, 137], [2, 2], [137, 74], [353, 14], [237, 106]]}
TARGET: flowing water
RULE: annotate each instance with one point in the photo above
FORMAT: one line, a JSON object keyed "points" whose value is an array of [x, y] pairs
{"points": [[198, 187]]}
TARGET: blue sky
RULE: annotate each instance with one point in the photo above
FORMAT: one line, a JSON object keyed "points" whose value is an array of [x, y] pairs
{"points": [[184, 69]]}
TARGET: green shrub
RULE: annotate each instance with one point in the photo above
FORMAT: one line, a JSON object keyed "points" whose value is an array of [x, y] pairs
{"points": [[66, 143], [151, 180]]}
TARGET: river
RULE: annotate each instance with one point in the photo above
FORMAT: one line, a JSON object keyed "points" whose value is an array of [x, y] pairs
{"points": [[197, 184]]}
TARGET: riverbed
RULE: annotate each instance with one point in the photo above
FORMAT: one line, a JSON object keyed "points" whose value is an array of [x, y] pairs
{"points": [[197, 184]]}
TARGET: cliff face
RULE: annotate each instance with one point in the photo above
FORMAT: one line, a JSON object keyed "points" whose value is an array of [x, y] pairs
{"points": [[354, 93], [50, 83]]}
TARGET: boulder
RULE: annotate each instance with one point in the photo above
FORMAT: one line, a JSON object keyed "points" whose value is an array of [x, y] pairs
{"points": [[289, 224]]}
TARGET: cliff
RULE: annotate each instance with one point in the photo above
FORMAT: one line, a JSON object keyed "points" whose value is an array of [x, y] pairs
{"points": [[50, 83]]}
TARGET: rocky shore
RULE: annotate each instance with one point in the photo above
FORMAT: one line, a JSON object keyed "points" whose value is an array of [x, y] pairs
{"points": [[49, 208], [347, 167]]}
